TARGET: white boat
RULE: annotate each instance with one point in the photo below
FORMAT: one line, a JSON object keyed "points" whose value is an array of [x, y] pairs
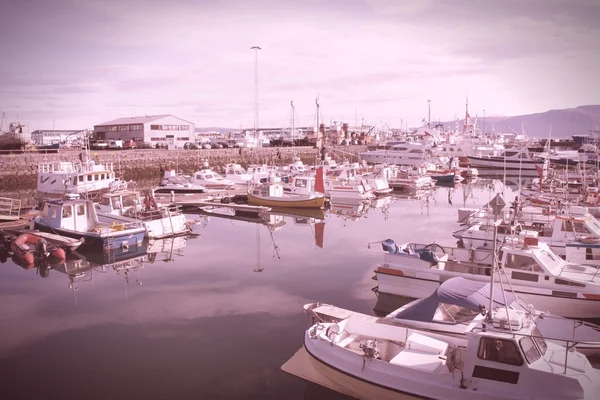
{"points": [[409, 153], [576, 238], [537, 274], [173, 182], [512, 160], [502, 357], [59, 178], [77, 218], [346, 184], [457, 302], [272, 194], [236, 174], [159, 221], [210, 180]]}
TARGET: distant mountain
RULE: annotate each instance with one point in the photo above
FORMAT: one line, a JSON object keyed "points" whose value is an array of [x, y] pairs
{"points": [[564, 123], [215, 129]]}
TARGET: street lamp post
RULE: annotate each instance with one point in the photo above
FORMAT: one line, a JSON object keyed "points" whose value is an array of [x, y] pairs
{"points": [[429, 113], [255, 49], [484, 121]]}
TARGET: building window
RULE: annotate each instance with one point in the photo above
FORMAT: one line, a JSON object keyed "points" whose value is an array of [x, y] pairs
{"points": [[183, 138], [136, 127], [183, 127], [155, 127], [123, 128]]}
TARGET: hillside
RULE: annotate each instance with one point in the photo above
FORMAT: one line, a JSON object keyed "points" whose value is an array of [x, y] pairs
{"points": [[564, 123]]}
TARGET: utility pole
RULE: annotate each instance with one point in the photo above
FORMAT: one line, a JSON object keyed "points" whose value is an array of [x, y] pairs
{"points": [[255, 49]]}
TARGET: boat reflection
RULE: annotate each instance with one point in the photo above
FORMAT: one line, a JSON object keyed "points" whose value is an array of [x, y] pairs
{"points": [[166, 250], [349, 211]]}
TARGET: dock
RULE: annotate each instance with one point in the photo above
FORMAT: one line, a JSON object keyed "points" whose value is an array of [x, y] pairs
{"points": [[205, 203]]}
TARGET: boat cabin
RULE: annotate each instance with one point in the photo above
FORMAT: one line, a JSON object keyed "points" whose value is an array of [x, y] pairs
{"points": [[304, 185], [61, 177], [119, 203], [75, 215]]}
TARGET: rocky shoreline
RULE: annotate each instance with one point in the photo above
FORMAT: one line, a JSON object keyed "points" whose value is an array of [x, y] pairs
{"points": [[19, 171]]}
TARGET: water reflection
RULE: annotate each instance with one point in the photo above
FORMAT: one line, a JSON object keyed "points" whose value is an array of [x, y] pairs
{"points": [[202, 306]]}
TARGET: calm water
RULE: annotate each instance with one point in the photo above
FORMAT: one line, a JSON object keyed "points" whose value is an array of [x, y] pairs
{"points": [[203, 323]]}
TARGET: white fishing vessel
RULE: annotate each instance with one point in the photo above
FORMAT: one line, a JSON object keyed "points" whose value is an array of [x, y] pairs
{"points": [[87, 176], [346, 184], [159, 221], [537, 274], [575, 237], [77, 218], [501, 357]]}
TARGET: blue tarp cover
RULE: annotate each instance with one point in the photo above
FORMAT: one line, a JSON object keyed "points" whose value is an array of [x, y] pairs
{"points": [[456, 291]]}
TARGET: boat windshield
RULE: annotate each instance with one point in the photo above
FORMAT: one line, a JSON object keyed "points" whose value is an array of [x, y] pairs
{"points": [[593, 225], [454, 313], [176, 180]]}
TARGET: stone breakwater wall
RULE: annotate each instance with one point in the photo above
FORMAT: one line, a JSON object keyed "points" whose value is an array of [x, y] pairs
{"points": [[19, 171]]}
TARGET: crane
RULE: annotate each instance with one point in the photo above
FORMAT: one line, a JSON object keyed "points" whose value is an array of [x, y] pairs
{"points": [[2, 122]]}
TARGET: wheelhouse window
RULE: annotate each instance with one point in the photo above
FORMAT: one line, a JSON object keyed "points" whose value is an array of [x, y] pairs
{"points": [[539, 340], [80, 178], [524, 263], [67, 211], [301, 183], [500, 351], [89, 178], [81, 209]]}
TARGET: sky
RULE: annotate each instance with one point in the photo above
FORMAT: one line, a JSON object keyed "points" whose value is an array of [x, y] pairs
{"points": [[71, 64]]}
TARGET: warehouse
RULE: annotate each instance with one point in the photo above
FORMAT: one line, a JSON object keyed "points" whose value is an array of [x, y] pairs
{"points": [[153, 130]]}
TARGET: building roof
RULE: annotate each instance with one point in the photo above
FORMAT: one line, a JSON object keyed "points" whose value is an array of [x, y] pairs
{"points": [[135, 120]]}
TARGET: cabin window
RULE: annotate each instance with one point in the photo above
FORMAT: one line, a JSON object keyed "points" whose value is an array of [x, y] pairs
{"points": [[67, 211], [102, 176], [53, 212], [559, 281], [81, 209], [500, 351], [105, 201], [80, 178], [529, 350], [89, 178], [74, 181], [300, 183], [96, 176], [525, 263]]}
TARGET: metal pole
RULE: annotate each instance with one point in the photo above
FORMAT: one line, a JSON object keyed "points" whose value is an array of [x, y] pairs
{"points": [[255, 49], [429, 113], [484, 122]]}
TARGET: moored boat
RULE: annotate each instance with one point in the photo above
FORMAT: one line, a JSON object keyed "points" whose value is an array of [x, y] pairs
{"points": [[77, 218]]}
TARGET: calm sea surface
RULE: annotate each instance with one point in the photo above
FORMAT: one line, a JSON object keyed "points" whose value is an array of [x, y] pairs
{"points": [[211, 317]]}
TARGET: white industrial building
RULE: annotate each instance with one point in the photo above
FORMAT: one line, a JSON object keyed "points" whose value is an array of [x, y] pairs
{"points": [[150, 130], [44, 137]]}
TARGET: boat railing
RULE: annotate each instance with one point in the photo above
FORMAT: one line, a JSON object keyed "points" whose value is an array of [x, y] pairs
{"points": [[10, 208]]}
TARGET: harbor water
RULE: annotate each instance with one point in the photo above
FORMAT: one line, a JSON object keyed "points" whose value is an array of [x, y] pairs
{"points": [[208, 317]]}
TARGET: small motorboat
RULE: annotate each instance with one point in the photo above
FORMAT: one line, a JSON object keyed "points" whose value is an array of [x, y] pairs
{"points": [[28, 246]]}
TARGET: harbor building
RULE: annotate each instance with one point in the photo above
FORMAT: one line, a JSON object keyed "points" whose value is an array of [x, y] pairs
{"points": [[46, 137], [166, 130]]}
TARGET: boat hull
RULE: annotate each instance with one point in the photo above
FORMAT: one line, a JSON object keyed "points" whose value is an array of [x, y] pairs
{"points": [[116, 240], [418, 284], [285, 202]]}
